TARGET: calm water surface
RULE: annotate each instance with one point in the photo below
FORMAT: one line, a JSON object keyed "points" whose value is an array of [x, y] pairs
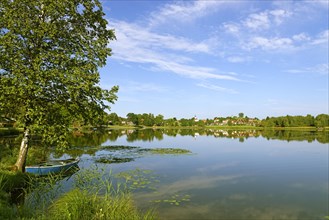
{"points": [[230, 178], [229, 175]]}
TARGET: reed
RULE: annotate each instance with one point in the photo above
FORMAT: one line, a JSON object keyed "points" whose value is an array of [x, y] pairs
{"points": [[93, 197]]}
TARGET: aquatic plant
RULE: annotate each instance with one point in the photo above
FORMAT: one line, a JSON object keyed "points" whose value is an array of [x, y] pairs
{"points": [[123, 154], [139, 179], [176, 199], [114, 160], [119, 147], [169, 151]]}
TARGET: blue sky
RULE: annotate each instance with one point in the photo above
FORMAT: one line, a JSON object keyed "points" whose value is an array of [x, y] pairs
{"points": [[218, 58]]}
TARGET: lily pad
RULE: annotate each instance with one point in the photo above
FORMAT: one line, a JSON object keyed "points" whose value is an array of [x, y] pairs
{"points": [[119, 147], [114, 160], [169, 151]]}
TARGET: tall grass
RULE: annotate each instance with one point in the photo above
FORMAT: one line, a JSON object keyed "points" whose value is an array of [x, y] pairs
{"points": [[93, 196], [80, 204]]}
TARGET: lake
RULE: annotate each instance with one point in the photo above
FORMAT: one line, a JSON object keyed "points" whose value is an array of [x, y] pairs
{"points": [[229, 174]]}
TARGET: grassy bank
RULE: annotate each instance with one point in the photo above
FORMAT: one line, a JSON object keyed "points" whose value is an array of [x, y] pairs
{"points": [[92, 197]]}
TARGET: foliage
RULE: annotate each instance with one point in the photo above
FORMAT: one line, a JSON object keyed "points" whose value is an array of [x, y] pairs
{"points": [[113, 119], [321, 120], [145, 119], [50, 52]]}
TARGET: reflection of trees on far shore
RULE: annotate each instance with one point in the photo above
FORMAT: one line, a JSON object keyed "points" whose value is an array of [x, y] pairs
{"points": [[91, 142], [241, 135]]}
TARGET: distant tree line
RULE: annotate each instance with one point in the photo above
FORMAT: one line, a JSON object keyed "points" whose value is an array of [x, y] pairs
{"points": [[151, 120], [132, 119], [321, 120]]}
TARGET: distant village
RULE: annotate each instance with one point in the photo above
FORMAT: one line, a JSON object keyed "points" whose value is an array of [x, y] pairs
{"points": [[150, 120]]}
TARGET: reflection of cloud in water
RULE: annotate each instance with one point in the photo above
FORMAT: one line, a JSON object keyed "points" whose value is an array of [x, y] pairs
{"points": [[228, 206], [196, 182], [240, 197], [284, 213], [229, 209], [216, 167], [192, 183], [320, 187]]}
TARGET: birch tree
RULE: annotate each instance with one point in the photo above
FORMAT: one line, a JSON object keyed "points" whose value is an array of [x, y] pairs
{"points": [[50, 54]]}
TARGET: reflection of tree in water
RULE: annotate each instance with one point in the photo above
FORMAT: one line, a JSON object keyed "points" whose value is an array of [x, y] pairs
{"points": [[90, 142], [93, 138], [296, 135], [145, 135]]}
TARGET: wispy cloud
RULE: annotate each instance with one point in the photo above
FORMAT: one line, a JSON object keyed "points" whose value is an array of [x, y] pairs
{"points": [[322, 38], [142, 87], [264, 43], [322, 69], [186, 11], [238, 59], [164, 52], [139, 36], [217, 88]]}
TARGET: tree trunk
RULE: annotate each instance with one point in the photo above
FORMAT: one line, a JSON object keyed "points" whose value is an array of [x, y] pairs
{"points": [[21, 160]]}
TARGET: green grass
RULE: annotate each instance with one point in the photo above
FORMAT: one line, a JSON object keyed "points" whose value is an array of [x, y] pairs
{"points": [[81, 204], [93, 197]]}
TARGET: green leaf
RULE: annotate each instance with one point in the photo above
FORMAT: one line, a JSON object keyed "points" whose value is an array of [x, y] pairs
{"points": [[49, 61]]}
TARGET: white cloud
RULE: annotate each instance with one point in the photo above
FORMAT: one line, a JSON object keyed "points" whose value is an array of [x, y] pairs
{"points": [[266, 19], [142, 37], [301, 37], [190, 71], [163, 52], [279, 15], [185, 11], [217, 88], [322, 38], [322, 69], [261, 31], [239, 59], [322, 3], [232, 28], [269, 43], [284, 44], [257, 21], [142, 87]]}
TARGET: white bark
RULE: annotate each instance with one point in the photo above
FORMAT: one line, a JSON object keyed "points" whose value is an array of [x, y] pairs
{"points": [[21, 160]]}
